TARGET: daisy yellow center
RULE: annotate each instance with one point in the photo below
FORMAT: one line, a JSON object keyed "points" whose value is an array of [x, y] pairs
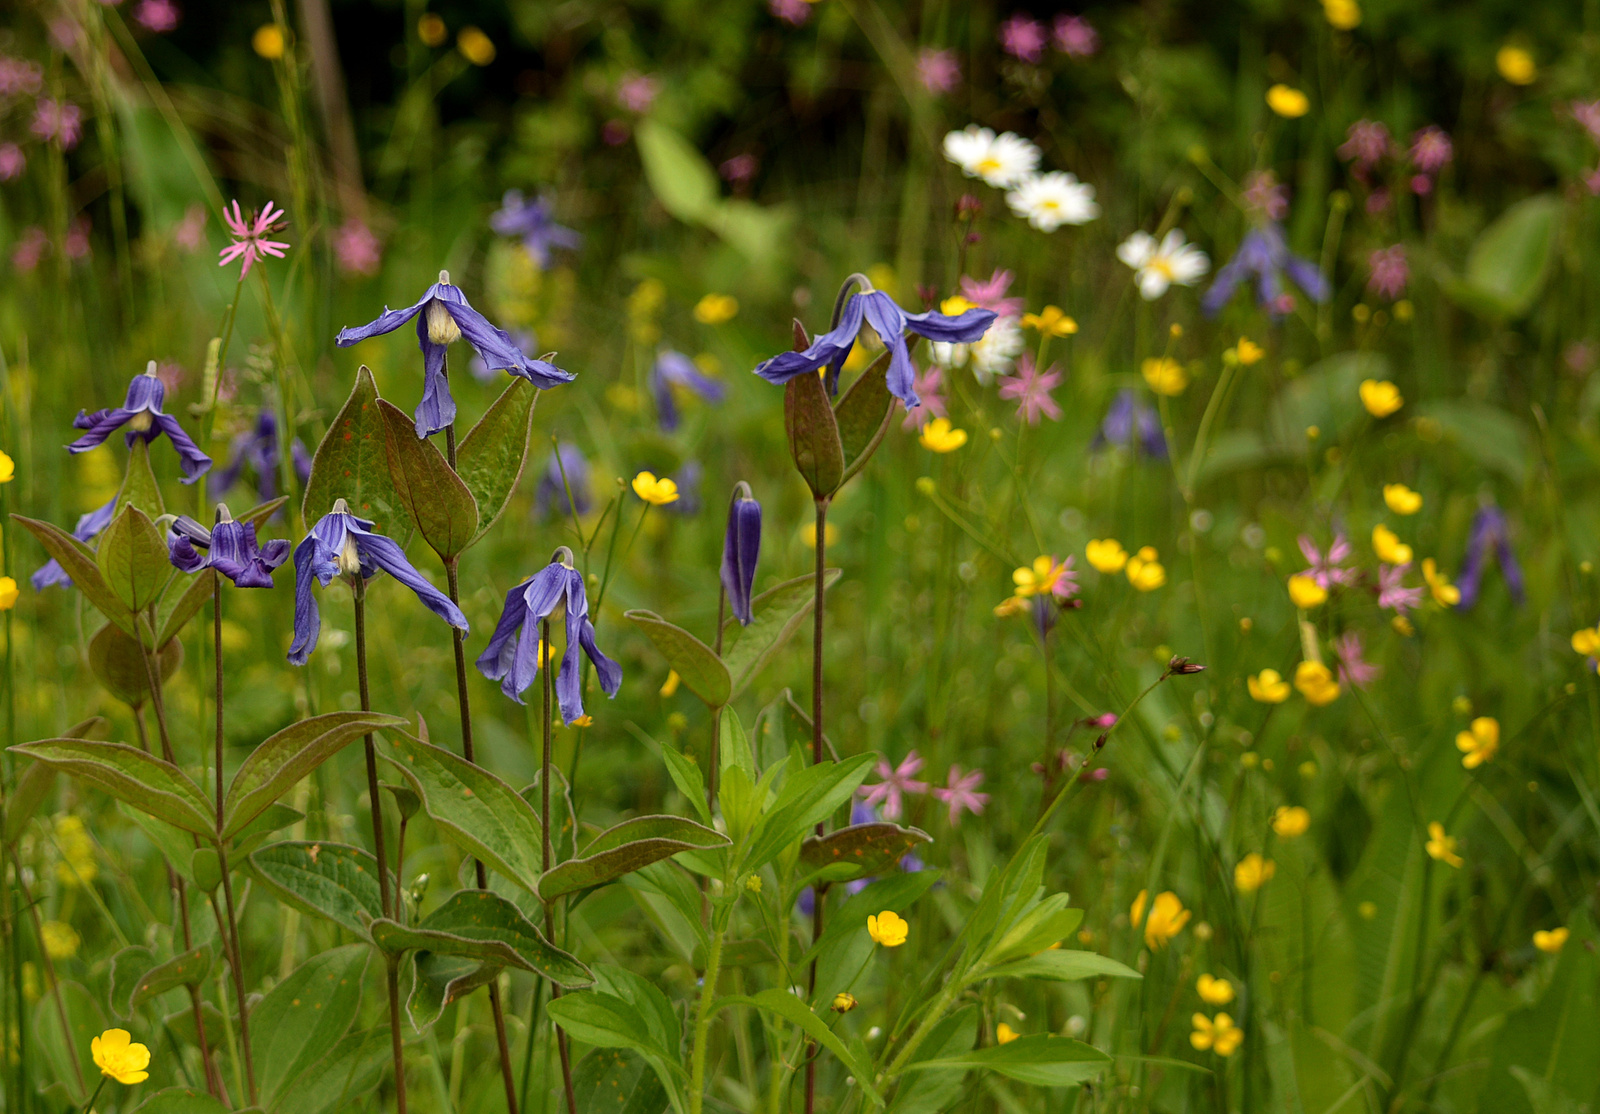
{"points": [[988, 165]]}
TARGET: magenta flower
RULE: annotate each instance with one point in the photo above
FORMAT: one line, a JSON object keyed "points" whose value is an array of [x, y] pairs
{"points": [[76, 245], [1431, 149], [31, 247], [1075, 37], [19, 77], [356, 248], [57, 122], [1365, 145], [739, 169], [159, 16], [1023, 37], [990, 293], [12, 162], [1264, 196], [250, 241], [1328, 569], [938, 70], [793, 12], [190, 232], [930, 401], [961, 793], [896, 782], [1392, 592], [1030, 388], [1353, 668], [637, 92], [1389, 271]]}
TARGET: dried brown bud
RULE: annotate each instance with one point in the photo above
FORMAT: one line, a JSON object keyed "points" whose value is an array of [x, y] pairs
{"points": [[1182, 665]]}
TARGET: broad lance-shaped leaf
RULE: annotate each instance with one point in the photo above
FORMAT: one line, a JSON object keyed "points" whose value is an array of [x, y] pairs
{"points": [[304, 1016], [864, 413], [441, 505], [807, 797], [352, 464], [33, 785], [697, 664], [625, 848], [255, 833], [133, 558], [813, 435], [477, 810], [275, 766], [792, 1009], [139, 487], [181, 1100], [1041, 1059], [1063, 965], [617, 1081], [78, 560], [188, 969], [482, 925], [329, 880], [861, 849], [181, 602], [491, 459], [119, 664], [129, 774], [442, 979], [128, 966], [352, 1067], [777, 614]]}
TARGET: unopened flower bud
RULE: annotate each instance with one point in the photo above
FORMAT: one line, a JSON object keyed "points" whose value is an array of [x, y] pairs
{"points": [[1182, 665], [844, 1002]]}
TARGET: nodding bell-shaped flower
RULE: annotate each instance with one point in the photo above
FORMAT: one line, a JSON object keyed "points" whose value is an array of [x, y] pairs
{"points": [[740, 548], [141, 414], [89, 527], [343, 545], [443, 315], [258, 448], [230, 548], [555, 592], [674, 369]]}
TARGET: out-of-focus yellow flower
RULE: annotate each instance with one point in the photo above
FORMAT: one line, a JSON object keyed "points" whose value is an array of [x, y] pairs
{"points": [[656, 492], [1441, 846], [1306, 592], [1268, 687], [1401, 499], [1005, 1034], [888, 928], [269, 41], [1167, 918], [475, 46], [1106, 555], [1388, 546], [1290, 103], [938, 436], [1343, 15], [1587, 641], [1214, 992], [1218, 1034], [1290, 821], [1011, 605], [844, 1002], [119, 1058], [1479, 743], [1041, 578], [585, 720], [1380, 397], [8, 469], [1050, 321], [1315, 682], [1145, 572], [954, 306], [431, 30], [60, 939], [1444, 593], [1252, 872], [808, 534], [1552, 941], [79, 866], [714, 309], [670, 685], [1402, 626], [1245, 353], [1516, 64], [8, 593], [1165, 375]]}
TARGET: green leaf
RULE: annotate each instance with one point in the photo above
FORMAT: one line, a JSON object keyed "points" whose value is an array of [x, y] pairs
{"points": [[441, 505], [205, 867], [1508, 264], [1063, 965], [349, 1072], [188, 969], [330, 880], [175, 844], [129, 774], [846, 947], [442, 979], [860, 849], [482, 925], [352, 464], [477, 810], [128, 966], [38, 778], [139, 487], [938, 1090], [625, 848], [262, 511], [776, 614], [255, 833], [1485, 433], [78, 560], [734, 745], [180, 1100], [304, 1016], [864, 412], [274, 767], [182, 602], [697, 664], [491, 459], [679, 175], [792, 1009], [626, 1010], [133, 559], [807, 797], [118, 664], [813, 435], [617, 1081], [1041, 1060], [686, 776]]}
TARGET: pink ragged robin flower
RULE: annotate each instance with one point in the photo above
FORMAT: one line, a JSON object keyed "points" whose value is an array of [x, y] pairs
{"points": [[928, 386], [1075, 37], [1365, 144], [938, 70], [1030, 388], [961, 793], [793, 12], [897, 781], [1353, 668], [356, 248], [249, 234], [1392, 592], [57, 122], [1264, 194], [991, 293], [1388, 271], [1431, 149], [1328, 569], [1023, 37], [159, 16]]}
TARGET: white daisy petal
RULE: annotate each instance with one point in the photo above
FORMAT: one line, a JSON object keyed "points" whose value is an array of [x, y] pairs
{"points": [[1050, 200]]}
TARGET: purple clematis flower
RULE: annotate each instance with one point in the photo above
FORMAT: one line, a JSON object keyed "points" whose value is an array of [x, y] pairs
{"points": [[343, 545], [741, 546], [674, 369], [141, 413], [512, 656], [552, 489], [443, 315], [258, 448], [889, 321], [231, 548], [89, 527], [531, 222], [1265, 254], [1132, 424], [1489, 528]]}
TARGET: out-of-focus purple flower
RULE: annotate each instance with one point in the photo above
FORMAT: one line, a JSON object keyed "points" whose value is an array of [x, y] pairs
{"points": [[741, 547], [552, 490], [614, 133], [1075, 37], [141, 414], [1389, 271], [931, 401], [739, 169], [20, 77], [531, 222], [257, 448], [990, 293], [1132, 424], [1366, 144], [793, 12], [961, 793], [356, 248], [889, 794], [12, 162], [229, 547], [341, 544], [1265, 197], [159, 16], [77, 245], [1431, 149], [938, 69], [1023, 37], [1489, 530], [688, 479], [636, 92], [250, 234], [190, 232], [1030, 389], [1265, 254], [673, 370], [171, 374], [88, 528], [1392, 592], [1421, 185], [1579, 356], [512, 656], [1377, 201], [1353, 668], [57, 122], [1328, 569], [31, 247]]}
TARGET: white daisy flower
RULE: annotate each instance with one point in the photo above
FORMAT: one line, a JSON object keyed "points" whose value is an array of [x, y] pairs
{"points": [[949, 354], [1050, 200], [996, 352], [1158, 266], [1001, 160]]}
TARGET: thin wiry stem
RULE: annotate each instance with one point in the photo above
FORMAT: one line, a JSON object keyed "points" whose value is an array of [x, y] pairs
{"points": [[818, 892], [545, 852]]}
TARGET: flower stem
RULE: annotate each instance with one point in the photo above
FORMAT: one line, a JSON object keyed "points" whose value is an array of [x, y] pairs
{"points": [[392, 981], [101, 1086], [702, 1025], [818, 892], [545, 855]]}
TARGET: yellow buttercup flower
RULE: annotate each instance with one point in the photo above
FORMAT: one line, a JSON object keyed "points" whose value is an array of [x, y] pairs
{"points": [[888, 928], [670, 685], [1050, 321], [1290, 821], [1315, 682], [1343, 15], [1587, 641], [1005, 1034], [1306, 593], [1167, 918], [1214, 992], [938, 436], [1252, 872], [1245, 353], [119, 1058], [1480, 742], [714, 309], [269, 41], [1380, 397], [1441, 846], [1288, 102], [1040, 579], [1388, 546], [8, 469], [1165, 375], [8, 593], [475, 46], [1268, 687], [1552, 941], [844, 1002], [657, 493], [1516, 65], [954, 306], [431, 30], [1011, 605], [1144, 571], [1401, 499], [808, 534], [1106, 555], [60, 939], [1218, 1034], [1444, 593]]}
